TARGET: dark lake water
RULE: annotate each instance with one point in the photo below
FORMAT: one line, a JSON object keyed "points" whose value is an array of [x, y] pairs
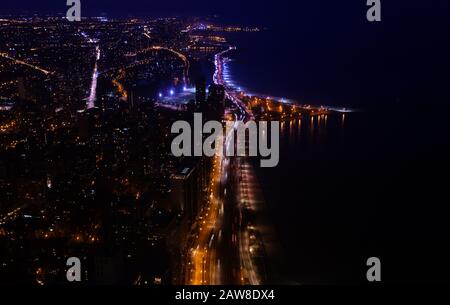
{"points": [[374, 185]]}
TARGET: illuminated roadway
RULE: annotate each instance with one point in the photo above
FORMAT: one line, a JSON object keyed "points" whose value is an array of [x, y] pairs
{"points": [[93, 91], [175, 52], [241, 266], [220, 251], [21, 62], [204, 268]]}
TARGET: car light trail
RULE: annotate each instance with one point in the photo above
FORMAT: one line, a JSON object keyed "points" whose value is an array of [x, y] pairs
{"points": [[93, 90], [20, 62]]}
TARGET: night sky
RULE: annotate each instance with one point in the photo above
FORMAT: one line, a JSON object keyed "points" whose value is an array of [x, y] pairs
{"points": [[318, 11]]}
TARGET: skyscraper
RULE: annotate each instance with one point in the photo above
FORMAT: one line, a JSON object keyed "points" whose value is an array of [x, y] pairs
{"points": [[200, 92], [186, 191], [216, 102]]}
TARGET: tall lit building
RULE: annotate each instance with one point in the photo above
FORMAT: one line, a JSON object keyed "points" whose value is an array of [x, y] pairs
{"points": [[187, 191], [200, 92], [216, 102]]}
